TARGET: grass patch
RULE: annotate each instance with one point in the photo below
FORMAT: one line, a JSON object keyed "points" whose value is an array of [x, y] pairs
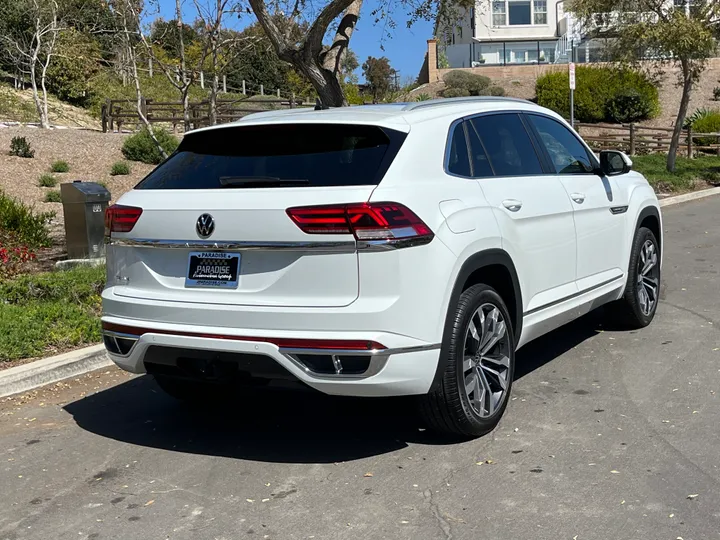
{"points": [[60, 167], [47, 180], [45, 313], [687, 171], [53, 196]]}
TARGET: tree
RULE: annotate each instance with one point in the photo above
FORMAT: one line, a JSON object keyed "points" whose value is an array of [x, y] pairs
{"points": [[377, 73], [128, 13], [670, 33], [321, 65], [29, 38]]}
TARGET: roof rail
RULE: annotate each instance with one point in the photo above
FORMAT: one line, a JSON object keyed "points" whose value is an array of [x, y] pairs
{"points": [[455, 101]]}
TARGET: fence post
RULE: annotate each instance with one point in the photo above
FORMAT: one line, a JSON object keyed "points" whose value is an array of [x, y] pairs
{"points": [[150, 67], [632, 139], [278, 92], [104, 116], [244, 92], [262, 90], [202, 80], [224, 84], [292, 105], [690, 142]]}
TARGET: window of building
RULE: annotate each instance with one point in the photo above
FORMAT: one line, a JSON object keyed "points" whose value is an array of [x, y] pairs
{"points": [[540, 12], [519, 12], [499, 12]]}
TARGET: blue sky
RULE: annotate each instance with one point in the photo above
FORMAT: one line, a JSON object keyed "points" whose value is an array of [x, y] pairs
{"points": [[405, 49]]}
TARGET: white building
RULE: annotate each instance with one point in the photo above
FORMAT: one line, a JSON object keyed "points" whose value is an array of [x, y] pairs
{"points": [[511, 32]]}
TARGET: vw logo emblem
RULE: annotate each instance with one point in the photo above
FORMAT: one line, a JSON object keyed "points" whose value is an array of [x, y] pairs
{"points": [[205, 226]]}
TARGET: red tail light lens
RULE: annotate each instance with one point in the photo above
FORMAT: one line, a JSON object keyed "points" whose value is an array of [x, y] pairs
{"points": [[121, 218], [366, 221]]}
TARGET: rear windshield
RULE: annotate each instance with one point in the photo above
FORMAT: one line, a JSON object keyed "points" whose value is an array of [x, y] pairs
{"points": [[286, 155]]}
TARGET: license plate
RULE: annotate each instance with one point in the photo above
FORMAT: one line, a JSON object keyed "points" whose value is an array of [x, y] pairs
{"points": [[212, 269]]}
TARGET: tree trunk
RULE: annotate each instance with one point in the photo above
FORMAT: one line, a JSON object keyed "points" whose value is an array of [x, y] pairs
{"points": [[44, 116], [36, 94], [333, 57], [682, 113], [186, 108], [325, 82]]}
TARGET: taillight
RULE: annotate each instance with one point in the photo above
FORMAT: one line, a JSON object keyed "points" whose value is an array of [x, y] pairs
{"points": [[366, 221], [121, 218]]}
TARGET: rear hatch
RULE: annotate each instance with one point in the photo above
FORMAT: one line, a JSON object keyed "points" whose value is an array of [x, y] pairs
{"points": [[210, 225]]}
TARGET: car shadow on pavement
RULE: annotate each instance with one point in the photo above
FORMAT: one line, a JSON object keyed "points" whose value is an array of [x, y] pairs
{"points": [[283, 426]]}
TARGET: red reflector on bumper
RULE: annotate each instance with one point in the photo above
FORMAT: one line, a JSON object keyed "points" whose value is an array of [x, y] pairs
{"points": [[283, 343]]}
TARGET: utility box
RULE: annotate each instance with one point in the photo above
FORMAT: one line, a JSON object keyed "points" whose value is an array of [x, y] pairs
{"points": [[84, 205]]}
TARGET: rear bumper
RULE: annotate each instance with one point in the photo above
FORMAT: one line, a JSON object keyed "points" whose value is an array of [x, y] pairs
{"points": [[405, 367]]}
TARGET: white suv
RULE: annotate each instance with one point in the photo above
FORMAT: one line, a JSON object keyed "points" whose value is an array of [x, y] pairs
{"points": [[401, 249]]}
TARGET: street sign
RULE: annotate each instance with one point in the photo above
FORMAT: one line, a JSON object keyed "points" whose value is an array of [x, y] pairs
{"points": [[572, 76]]}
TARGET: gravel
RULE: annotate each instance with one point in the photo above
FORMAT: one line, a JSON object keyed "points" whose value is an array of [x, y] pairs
{"points": [[90, 155]]}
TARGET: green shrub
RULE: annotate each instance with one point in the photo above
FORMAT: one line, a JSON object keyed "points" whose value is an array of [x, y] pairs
{"points": [[48, 180], [629, 106], [120, 168], [20, 147], [26, 226], [493, 91], [60, 167], [596, 87], [690, 119], [141, 147], [422, 97], [708, 122], [464, 80], [53, 196], [455, 92]]}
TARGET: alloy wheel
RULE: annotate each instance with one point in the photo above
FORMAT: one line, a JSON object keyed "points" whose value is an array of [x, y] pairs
{"points": [[648, 277], [486, 360]]}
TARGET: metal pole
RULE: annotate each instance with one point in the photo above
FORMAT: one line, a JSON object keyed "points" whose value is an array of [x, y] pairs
{"points": [[224, 84], [244, 92], [572, 90]]}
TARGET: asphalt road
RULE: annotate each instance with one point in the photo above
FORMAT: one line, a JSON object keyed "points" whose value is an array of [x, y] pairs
{"points": [[610, 435]]}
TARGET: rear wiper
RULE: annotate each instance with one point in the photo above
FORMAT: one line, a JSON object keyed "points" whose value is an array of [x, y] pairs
{"points": [[260, 181]]}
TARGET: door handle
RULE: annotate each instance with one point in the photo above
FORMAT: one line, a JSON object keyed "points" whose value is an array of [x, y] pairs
{"points": [[512, 204], [578, 197]]}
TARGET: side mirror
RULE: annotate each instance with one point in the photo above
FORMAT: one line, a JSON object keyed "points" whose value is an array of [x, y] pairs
{"points": [[613, 163]]}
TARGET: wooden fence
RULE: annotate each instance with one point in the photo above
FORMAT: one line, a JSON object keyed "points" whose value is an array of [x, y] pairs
{"points": [[119, 112], [635, 139]]}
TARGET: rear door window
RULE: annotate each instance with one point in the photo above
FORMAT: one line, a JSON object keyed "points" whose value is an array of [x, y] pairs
{"points": [[284, 155], [507, 144]]}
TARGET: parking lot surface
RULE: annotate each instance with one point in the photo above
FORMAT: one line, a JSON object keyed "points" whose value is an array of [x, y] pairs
{"points": [[610, 435]]}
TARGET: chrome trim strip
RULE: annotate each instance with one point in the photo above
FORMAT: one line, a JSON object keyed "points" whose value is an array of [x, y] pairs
{"points": [[618, 209], [570, 297], [368, 352], [343, 246]]}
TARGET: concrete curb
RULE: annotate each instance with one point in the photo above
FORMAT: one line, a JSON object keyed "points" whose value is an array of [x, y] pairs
{"points": [[49, 370], [669, 201]]}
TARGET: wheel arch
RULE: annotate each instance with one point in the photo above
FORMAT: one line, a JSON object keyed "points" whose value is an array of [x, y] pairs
{"points": [[493, 267], [650, 217]]}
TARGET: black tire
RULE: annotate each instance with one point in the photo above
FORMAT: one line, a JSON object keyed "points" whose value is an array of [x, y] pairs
{"points": [[191, 391], [449, 408], [629, 311]]}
